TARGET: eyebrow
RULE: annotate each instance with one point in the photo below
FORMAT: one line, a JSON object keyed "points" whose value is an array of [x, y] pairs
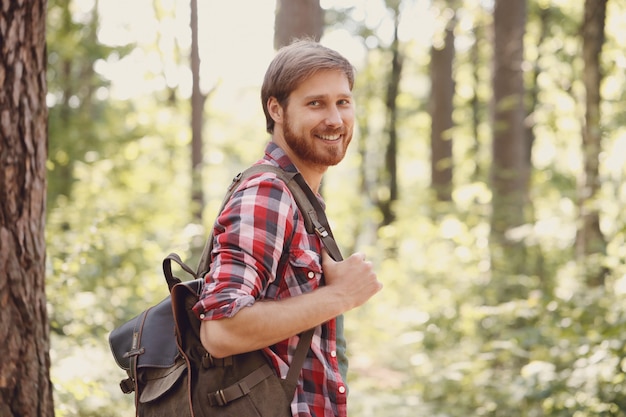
{"points": [[325, 97]]}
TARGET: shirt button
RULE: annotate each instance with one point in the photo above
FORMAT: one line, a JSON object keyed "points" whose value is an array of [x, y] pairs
{"points": [[202, 316], [342, 389], [311, 275], [333, 354]]}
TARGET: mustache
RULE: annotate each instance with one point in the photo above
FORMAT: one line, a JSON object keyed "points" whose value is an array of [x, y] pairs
{"points": [[331, 132]]}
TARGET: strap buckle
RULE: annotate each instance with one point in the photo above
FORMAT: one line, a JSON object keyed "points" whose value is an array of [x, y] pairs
{"points": [[321, 231], [221, 397], [217, 398]]}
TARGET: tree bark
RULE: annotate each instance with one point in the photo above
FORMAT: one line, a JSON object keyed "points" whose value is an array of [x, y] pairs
{"points": [[590, 242], [297, 19], [25, 388]]}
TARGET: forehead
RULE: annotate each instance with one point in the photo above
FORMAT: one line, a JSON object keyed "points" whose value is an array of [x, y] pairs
{"points": [[324, 83]]}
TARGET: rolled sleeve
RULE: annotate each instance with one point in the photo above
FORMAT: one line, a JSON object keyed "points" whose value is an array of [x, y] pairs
{"points": [[249, 237]]}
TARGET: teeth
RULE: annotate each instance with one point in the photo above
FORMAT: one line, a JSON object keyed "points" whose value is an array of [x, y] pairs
{"points": [[331, 138]]}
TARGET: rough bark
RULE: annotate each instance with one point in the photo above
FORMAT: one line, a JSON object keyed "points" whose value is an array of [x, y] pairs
{"points": [[25, 388]]}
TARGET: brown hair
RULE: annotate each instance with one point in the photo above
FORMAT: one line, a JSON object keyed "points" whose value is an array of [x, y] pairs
{"points": [[295, 63]]}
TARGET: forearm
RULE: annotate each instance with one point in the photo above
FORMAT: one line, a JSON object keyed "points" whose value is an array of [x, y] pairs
{"points": [[349, 284], [268, 322]]}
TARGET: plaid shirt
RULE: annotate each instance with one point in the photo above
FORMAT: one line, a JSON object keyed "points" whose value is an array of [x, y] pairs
{"points": [[262, 251]]}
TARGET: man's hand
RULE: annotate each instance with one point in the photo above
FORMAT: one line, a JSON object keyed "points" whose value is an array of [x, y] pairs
{"points": [[353, 278]]}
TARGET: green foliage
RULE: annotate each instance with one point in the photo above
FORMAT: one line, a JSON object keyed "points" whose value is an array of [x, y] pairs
{"points": [[81, 122]]}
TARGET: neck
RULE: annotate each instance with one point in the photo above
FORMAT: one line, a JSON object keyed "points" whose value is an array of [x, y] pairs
{"points": [[313, 179], [312, 173]]}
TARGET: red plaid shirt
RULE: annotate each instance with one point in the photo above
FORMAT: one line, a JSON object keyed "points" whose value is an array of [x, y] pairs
{"points": [[261, 250]]}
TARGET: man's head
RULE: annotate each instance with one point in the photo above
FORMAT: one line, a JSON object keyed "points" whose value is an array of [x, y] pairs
{"points": [[295, 63]]}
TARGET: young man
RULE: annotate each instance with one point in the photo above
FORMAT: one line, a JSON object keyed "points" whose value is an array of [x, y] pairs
{"points": [[264, 287]]}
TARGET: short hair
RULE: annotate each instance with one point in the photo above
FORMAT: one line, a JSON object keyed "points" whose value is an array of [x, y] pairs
{"points": [[292, 65]]}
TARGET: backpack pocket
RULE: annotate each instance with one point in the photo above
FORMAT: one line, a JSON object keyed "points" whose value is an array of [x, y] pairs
{"points": [[156, 382]]}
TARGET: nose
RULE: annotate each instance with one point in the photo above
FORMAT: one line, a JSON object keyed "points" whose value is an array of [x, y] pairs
{"points": [[333, 117]]}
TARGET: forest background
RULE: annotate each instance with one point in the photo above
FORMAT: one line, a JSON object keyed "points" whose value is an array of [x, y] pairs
{"points": [[486, 183]]}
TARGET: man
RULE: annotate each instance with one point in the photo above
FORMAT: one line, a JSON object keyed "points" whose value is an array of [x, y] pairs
{"points": [[264, 287]]}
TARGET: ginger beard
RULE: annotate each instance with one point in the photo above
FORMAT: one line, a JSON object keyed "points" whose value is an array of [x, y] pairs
{"points": [[328, 153]]}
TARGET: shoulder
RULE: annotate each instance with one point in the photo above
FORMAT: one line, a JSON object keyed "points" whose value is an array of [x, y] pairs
{"points": [[267, 180], [262, 192]]}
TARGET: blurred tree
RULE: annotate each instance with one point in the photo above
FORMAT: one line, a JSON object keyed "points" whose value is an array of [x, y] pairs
{"points": [[297, 19], [477, 102], [510, 169], [544, 20], [590, 242], [197, 120], [441, 106], [388, 174], [25, 388], [543, 13]]}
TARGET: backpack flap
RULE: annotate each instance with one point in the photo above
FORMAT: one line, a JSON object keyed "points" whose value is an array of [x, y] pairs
{"points": [[150, 337]]}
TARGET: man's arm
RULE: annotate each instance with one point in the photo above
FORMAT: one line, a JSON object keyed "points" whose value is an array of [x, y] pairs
{"points": [[348, 284]]}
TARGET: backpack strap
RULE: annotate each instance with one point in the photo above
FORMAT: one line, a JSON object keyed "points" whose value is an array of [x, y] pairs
{"points": [[315, 221], [315, 214]]}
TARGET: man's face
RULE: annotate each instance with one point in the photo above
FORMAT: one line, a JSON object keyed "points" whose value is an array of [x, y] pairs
{"points": [[319, 120]]}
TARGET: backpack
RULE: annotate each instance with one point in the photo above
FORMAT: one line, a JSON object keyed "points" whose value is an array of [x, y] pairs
{"points": [[169, 370]]}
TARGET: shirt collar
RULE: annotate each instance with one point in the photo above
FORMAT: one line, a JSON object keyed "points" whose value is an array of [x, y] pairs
{"points": [[277, 156]]}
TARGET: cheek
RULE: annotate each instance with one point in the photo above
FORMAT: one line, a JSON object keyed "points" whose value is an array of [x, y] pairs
{"points": [[348, 117]]}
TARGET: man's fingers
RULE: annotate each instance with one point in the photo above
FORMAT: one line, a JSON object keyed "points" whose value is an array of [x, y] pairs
{"points": [[360, 255]]}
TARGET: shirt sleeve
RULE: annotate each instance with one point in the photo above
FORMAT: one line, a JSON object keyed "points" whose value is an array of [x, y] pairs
{"points": [[249, 237]]}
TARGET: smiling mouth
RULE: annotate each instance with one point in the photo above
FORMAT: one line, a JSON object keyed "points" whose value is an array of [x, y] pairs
{"points": [[330, 138]]}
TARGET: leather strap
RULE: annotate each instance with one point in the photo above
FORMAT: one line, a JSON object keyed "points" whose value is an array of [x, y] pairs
{"points": [[318, 217], [299, 356], [167, 270], [240, 388]]}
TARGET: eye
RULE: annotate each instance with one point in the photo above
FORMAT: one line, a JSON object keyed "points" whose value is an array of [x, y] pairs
{"points": [[315, 103]]}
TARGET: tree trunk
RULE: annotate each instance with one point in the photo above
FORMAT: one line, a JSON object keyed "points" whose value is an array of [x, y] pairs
{"points": [[590, 243], [297, 19], [197, 111], [476, 104], [389, 174], [441, 96], [510, 169], [25, 388]]}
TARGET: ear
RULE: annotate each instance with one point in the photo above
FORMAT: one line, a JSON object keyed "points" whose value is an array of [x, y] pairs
{"points": [[275, 110]]}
